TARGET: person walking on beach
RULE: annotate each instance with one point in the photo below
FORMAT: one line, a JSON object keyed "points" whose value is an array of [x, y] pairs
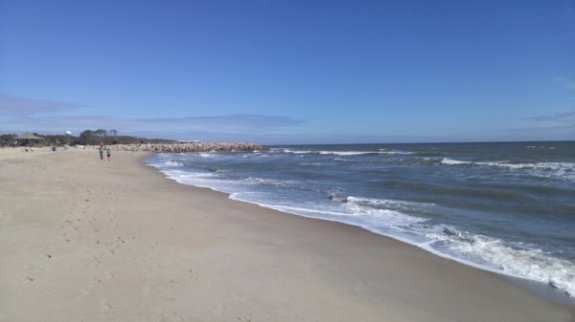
{"points": [[101, 152], [108, 153]]}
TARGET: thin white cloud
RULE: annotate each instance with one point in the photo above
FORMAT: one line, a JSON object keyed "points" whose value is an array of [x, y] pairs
{"points": [[235, 120], [558, 126], [240, 125], [567, 117], [547, 133], [570, 85], [14, 106], [18, 114], [566, 82], [245, 121]]}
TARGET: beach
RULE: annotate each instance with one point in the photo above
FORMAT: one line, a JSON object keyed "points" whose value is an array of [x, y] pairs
{"points": [[89, 240]]}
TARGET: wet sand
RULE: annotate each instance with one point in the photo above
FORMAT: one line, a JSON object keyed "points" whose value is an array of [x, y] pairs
{"points": [[88, 240]]}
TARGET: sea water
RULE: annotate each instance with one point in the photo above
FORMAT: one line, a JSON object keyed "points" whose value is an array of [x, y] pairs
{"points": [[504, 207]]}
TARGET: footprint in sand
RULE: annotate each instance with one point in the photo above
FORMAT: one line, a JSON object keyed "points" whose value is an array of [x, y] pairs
{"points": [[97, 261], [104, 306], [170, 316], [86, 291], [247, 318]]}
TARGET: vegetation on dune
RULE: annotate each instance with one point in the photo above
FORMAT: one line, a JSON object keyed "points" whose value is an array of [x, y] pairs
{"points": [[87, 137]]}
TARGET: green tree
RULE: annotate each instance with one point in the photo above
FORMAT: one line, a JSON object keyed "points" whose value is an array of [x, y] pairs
{"points": [[101, 133], [86, 137], [7, 139]]}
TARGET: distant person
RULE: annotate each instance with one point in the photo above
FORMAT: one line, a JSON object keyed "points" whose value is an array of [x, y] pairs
{"points": [[108, 153], [101, 153]]}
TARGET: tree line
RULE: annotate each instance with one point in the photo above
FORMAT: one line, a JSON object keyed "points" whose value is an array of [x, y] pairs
{"points": [[87, 137]]}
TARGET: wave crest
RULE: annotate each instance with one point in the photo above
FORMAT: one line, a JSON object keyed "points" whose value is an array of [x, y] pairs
{"points": [[523, 261], [564, 170]]}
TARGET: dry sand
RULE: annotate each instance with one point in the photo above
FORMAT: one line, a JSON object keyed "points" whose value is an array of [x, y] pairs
{"points": [[89, 240]]}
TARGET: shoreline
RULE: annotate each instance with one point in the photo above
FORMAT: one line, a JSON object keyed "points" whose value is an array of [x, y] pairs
{"points": [[538, 288], [546, 290], [140, 237]]}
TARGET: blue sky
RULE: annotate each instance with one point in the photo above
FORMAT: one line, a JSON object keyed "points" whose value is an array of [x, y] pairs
{"points": [[291, 71]]}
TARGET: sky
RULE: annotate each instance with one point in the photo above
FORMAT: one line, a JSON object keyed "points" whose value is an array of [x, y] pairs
{"points": [[291, 71]]}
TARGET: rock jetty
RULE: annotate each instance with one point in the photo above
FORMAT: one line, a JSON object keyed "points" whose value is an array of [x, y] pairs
{"points": [[185, 147], [200, 147], [195, 147]]}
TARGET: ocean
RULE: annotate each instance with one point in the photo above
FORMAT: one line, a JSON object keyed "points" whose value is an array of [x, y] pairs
{"points": [[504, 207]]}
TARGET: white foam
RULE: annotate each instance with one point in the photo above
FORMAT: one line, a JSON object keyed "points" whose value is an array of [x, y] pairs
{"points": [[386, 203], [303, 211], [492, 254], [385, 217], [391, 218], [349, 213], [567, 166], [296, 151], [562, 170], [449, 161], [171, 163], [343, 153], [393, 152], [555, 166], [199, 179], [266, 181], [474, 250], [186, 175]]}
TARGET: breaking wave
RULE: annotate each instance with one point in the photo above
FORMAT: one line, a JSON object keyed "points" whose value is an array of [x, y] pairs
{"points": [[342, 153], [565, 170]]}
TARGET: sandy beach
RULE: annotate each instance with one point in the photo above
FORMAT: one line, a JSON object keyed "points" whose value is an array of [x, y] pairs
{"points": [[88, 240]]}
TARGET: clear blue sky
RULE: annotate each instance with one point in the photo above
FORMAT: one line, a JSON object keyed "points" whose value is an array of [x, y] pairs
{"points": [[291, 71]]}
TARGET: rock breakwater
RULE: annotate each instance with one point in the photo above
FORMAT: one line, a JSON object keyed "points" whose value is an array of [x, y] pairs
{"points": [[159, 147], [200, 147], [184, 147]]}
